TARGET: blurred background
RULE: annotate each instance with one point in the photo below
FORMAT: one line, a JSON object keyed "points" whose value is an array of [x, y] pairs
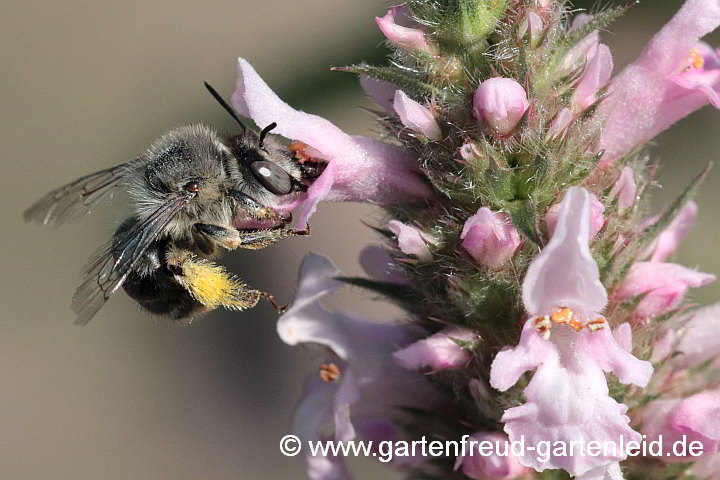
{"points": [[89, 84]]}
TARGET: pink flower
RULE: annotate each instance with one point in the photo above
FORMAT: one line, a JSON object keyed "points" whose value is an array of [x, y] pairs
{"points": [[661, 285], [667, 82], [584, 51], [500, 103], [359, 169], [440, 351], [625, 189], [379, 91], [597, 220], [359, 385], [596, 74], [697, 343], [696, 417], [416, 117], [570, 345], [490, 238], [669, 239], [377, 262], [412, 240], [501, 464], [409, 38]]}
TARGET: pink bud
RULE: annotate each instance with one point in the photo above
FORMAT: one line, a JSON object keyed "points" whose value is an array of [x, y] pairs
{"points": [[404, 37], [490, 237], [412, 240], [501, 464], [500, 103], [439, 351], [669, 239], [597, 220], [416, 117], [625, 189]]}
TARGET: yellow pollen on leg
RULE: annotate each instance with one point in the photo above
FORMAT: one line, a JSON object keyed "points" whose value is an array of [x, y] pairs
{"points": [[329, 372]]}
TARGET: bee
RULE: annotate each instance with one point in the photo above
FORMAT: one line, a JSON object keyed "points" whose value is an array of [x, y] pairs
{"points": [[194, 194]]}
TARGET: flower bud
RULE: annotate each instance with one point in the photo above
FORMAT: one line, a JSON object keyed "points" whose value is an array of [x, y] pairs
{"points": [[500, 464], [412, 240], [624, 189], [416, 117], [531, 27], [500, 103], [439, 351], [490, 237]]}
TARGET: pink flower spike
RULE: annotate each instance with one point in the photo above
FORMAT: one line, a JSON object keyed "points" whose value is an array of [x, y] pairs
{"points": [[404, 37], [477, 465], [416, 117], [625, 189], [490, 237], [669, 239], [438, 352], [663, 285], [359, 169], [500, 103], [596, 75], [656, 90], [567, 397], [597, 219], [412, 240]]}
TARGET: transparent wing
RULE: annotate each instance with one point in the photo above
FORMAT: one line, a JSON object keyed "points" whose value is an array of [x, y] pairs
{"points": [[77, 198], [110, 266]]}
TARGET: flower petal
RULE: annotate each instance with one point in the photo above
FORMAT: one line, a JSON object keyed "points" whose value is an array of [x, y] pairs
{"points": [[404, 37], [694, 343], [625, 189], [669, 239], [380, 91], [596, 75], [412, 240], [564, 274]]}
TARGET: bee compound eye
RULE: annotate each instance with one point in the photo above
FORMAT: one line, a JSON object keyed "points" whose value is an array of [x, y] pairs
{"points": [[272, 177], [192, 186]]}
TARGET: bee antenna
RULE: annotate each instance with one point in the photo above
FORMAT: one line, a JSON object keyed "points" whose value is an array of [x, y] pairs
{"points": [[226, 106], [265, 131]]}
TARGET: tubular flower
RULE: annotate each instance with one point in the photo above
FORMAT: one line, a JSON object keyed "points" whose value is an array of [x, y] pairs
{"points": [[409, 38], [358, 383], [659, 286], [358, 169], [570, 344], [668, 81]]}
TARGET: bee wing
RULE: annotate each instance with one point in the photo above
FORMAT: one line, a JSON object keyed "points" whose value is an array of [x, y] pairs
{"points": [[110, 266], [79, 197]]}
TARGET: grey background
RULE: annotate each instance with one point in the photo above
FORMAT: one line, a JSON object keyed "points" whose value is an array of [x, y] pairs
{"points": [[89, 84]]}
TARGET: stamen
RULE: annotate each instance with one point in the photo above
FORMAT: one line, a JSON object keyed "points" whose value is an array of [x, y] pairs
{"points": [[543, 326], [595, 325], [329, 372], [694, 60]]}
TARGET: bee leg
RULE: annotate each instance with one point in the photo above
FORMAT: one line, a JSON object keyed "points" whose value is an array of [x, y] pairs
{"points": [[211, 285], [207, 236]]}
